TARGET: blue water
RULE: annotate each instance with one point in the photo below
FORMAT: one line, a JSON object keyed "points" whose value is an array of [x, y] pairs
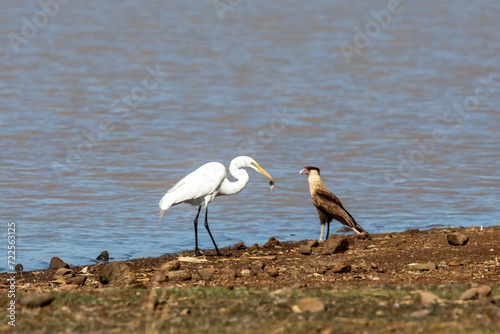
{"points": [[107, 104]]}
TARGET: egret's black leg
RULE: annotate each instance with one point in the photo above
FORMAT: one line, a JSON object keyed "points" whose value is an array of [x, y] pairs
{"points": [[196, 250], [208, 229], [327, 231]]}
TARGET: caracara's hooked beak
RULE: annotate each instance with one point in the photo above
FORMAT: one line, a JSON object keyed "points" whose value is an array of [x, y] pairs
{"points": [[304, 171]]}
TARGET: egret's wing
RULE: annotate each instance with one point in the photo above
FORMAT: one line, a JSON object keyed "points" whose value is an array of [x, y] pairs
{"points": [[204, 181]]}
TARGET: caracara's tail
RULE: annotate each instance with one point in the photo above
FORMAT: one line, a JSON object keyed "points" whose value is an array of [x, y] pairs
{"points": [[352, 223]]}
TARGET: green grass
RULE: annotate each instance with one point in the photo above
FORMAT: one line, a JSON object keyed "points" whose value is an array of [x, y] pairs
{"points": [[239, 310]]}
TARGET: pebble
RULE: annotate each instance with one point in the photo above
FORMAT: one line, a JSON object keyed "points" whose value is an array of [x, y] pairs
{"points": [[428, 298], [305, 250], [481, 291], [63, 273], [457, 239], [118, 273], [37, 300], [239, 245], [228, 273], [104, 256], [179, 275], [171, 265], [272, 242], [422, 266], [309, 304], [206, 273], [313, 243], [339, 267], [77, 280], [469, 294], [420, 313], [273, 272], [246, 273], [56, 263], [335, 244]]}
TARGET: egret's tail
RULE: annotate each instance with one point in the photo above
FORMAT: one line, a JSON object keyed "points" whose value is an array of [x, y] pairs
{"points": [[166, 202]]}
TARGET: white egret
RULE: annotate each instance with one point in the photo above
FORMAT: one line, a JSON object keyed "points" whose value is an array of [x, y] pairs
{"points": [[200, 187]]}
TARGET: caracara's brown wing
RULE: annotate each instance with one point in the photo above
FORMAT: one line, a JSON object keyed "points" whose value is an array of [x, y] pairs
{"points": [[330, 205], [323, 218]]}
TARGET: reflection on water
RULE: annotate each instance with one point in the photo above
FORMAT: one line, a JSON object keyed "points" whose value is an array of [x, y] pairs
{"points": [[110, 103]]}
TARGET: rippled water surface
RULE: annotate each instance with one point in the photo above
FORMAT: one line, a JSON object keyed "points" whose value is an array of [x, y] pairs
{"points": [[106, 104]]}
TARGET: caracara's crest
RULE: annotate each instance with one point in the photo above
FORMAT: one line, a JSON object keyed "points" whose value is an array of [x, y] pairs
{"points": [[328, 205], [308, 169]]}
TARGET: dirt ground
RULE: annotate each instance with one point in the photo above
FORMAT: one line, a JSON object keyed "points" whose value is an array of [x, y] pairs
{"points": [[381, 259], [409, 260]]}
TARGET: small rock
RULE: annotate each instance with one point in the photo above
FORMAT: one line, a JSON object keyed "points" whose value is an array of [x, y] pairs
{"points": [[313, 243], [272, 242], [160, 276], [484, 300], [273, 272], [185, 311], [309, 304], [56, 263], [428, 298], [454, 263], [305, 250], [171, 265], [484, 290], [63, 273], [239, 245], [252, 249], [256, 267], [422, 266], [104, 256], [339, 268], [206, 273], [77, 280], [421, 313], [335, 244], [246, 273], [19, 267], [228, 273], [469, 294], [457, 239], [118, 273], [37, 300], [179, 275]]}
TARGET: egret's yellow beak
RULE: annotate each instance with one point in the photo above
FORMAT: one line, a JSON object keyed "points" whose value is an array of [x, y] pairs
{"points": [[262, 171]]}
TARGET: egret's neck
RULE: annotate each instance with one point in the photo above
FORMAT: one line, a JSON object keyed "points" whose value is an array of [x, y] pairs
{"points": [[231, 188]]}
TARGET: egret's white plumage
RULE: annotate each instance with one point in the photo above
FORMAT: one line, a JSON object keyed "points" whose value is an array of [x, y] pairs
{"points": [[201, 186]]}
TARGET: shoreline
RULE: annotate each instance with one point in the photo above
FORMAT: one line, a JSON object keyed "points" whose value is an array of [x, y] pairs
{"points": [[382, 258]]}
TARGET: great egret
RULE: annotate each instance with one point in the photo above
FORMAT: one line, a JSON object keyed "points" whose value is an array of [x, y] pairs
{"points": [[200, 187], [328, 205]]}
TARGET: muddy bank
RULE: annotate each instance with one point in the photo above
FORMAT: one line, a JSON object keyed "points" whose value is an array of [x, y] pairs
{"points": [[411, 257]]}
